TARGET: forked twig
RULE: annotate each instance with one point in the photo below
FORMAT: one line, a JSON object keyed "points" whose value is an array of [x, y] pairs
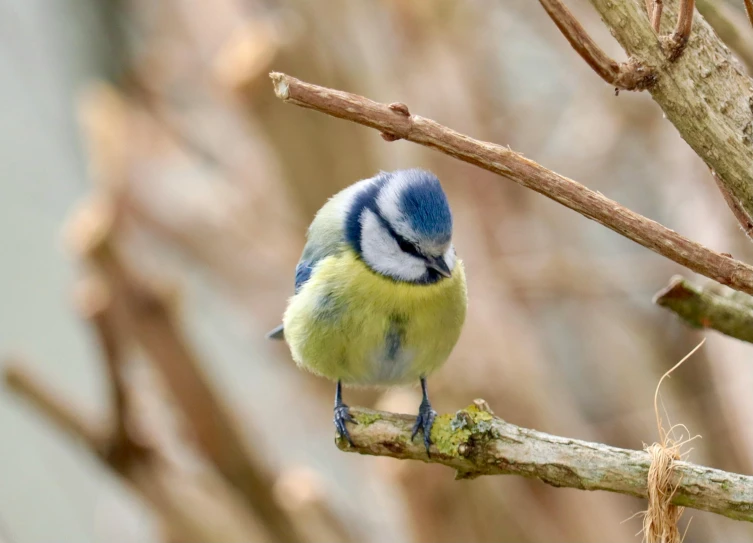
{"points": [[626, 75]]}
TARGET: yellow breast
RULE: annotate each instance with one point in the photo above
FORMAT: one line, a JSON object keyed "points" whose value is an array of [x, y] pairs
{"points": [[349, 323]]}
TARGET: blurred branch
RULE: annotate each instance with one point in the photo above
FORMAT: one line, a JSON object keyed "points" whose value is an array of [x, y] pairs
{"points": [[731, 27], [56, 409], [704, 93], [655, 9], [182, 501], [739, 212], [625, 75], [152, 322], [94, 303], [144, 313], [475, 442], [749, 10], [703, 308], [398, 123]]}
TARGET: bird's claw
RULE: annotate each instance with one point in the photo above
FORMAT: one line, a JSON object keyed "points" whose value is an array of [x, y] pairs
{"points": [[342, 415], [424, 422]]}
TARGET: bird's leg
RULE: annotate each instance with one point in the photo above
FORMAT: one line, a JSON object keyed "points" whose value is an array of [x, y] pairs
{"points": [[342, 415], [425, 419]]}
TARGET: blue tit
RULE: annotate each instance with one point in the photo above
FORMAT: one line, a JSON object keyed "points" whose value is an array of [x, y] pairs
{"points": [[380, 297]]}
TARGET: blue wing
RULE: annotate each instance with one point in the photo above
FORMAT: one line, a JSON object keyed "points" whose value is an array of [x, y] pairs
{"points": [[302, 273], [326, 237]]}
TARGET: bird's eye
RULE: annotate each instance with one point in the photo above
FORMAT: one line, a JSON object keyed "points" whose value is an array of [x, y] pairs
{"points": [[407, 247]]}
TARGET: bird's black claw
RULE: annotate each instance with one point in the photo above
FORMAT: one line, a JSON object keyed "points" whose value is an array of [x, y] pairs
{"points": [[424, 422], [342, 415]]}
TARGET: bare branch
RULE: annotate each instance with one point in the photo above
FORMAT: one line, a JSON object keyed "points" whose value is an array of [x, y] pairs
{"points": [[704, 308], [628, 76], [150, 319], [195, 507], [94, 303], [655, 13], [731, 26], [682, 28], [749, 10], [146, 315], [705, 93], [745, 221], [505, 162], [59, 411], [475, 442]]}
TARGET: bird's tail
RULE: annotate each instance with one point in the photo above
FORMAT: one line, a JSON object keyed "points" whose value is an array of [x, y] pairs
{"points": [[276, 333]]}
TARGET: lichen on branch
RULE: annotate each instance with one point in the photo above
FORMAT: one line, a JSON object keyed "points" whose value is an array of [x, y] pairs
{"points": [[475, 442]]}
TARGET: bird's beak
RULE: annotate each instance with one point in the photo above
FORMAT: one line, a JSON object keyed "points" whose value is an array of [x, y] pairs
{"points": [[440, 265]]}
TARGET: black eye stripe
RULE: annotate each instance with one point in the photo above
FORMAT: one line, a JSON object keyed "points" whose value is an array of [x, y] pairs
{"points": [[405, 245]]}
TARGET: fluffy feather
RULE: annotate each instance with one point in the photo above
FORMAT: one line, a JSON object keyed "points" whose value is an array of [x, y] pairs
{"points": [[341, 324], [369, 307]]}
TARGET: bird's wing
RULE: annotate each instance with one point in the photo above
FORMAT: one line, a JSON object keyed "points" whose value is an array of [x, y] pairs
{"points": [[325, 237]]}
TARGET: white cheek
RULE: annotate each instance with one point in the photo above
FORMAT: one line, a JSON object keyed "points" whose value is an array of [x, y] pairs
{"points": [[450, 258], [382, 253]]}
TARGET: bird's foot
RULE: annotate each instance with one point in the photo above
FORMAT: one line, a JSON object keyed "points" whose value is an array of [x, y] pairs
{"points": [[342, 415], [424, 422]]}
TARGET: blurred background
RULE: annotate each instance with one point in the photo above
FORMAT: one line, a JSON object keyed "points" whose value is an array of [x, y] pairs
{"points": [[164, 111]]}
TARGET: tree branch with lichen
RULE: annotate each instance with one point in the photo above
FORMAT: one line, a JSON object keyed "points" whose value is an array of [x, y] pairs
{"points": [[475, 442], [731, 314]]}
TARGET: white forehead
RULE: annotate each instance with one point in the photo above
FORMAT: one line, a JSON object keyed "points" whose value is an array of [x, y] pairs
{"points": [[388, 203]]}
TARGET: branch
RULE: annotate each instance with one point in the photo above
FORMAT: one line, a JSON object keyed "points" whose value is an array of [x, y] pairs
{"points": [[705, 93], [56, 409], [195, 506], [749, 10], [655, 13], [397, 122], [149, 318], [732, 27], [682, 28], [626, 75], [94, 303], [475, 442], [742, 216], [703, 308]]}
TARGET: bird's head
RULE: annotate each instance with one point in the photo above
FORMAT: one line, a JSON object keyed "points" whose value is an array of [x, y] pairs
{"points": [[401, 226]]}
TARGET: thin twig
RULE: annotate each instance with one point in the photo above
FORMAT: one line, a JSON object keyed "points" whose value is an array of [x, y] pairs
{"points": [[749, 10], [150, 319], [60, 412], [627, 76], [507, 163], [655, 14], [703, 308], [474, 442], [93, 302], [682, 28], [704, 94], [745, 221], [196, 507], [147, 317]]}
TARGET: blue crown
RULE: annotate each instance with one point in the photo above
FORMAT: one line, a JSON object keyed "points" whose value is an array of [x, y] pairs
{"points": [[425, 205]]}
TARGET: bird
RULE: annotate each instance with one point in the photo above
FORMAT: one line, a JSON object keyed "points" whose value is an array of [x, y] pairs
{"points": [[380, 296]]}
